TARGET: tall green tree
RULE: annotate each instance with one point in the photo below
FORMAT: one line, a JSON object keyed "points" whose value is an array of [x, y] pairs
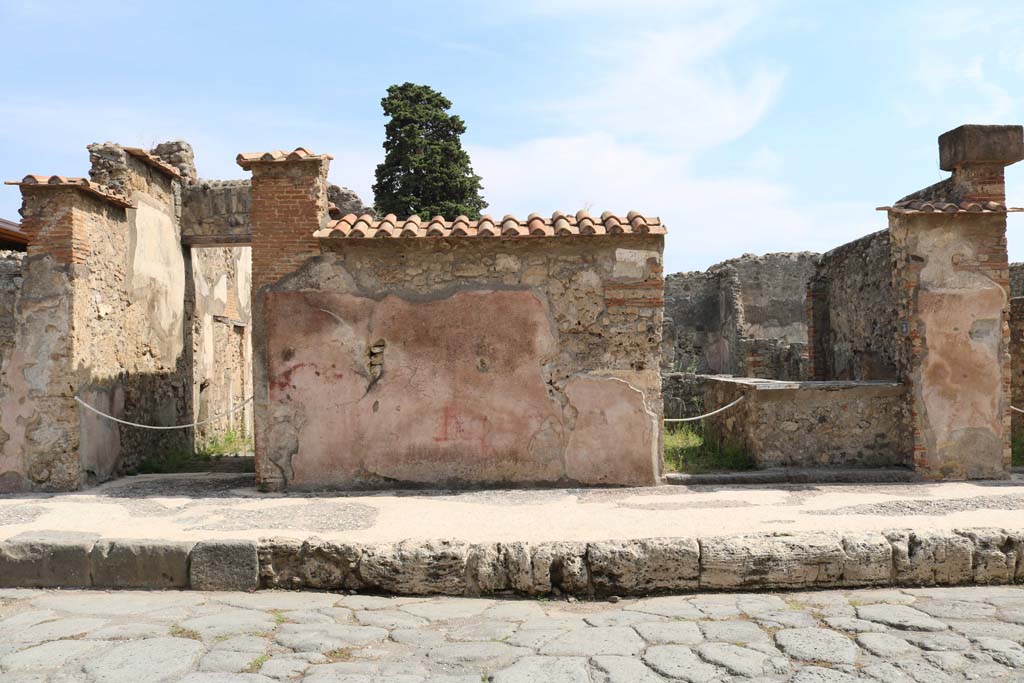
{"points": [[425, 169]]}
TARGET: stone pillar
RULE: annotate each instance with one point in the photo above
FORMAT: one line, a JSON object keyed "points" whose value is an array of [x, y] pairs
{"points": [[289, 204], [952, 281]]}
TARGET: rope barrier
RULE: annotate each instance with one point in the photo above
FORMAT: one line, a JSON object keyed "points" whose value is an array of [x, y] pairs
{"points": [[1017, 409], [713, 412], [233, 410]]}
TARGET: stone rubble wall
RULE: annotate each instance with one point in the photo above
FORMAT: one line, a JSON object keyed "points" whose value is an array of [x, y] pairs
{"points": [[636, 567], [811, 424], [221, 342], [10, 291], [683, 394], [111, 311], [853, 312], [217, 208], [1017, 363], [740, 316], [467, 361]]}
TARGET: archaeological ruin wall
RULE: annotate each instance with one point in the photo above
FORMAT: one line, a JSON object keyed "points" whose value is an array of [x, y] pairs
{"points": [[113, 310], [10, 291], [746, 316], [450, 353], [852, 311]]}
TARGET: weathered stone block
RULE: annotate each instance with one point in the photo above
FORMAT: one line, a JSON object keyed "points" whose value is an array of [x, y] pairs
{"points": [[981, 145], [46, 560], [771, 560], [280, 562], [930, 557], [133, 563], [330, 566], [644, 566], [868, 559], [995, 555], [485, 569], [416, 567], [560, 565], [224, 566]]}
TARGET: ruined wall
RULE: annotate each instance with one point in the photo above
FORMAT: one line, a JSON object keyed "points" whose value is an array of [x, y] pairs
{"points": [[953, 282], [812, 424], [853, 312], [1017, 279], [449, 361], [130, 322], [683, 394], [221, 343], [217, 208], [38, 418], [741, 316], [1016, 363], [10, 291]]}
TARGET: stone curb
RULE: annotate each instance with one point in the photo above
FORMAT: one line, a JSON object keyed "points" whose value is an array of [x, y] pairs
{"points": [[804, 560], [794, 475]]}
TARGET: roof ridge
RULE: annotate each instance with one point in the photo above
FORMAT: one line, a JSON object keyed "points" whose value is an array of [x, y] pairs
{"points": [[535, 225], [84, 184]]}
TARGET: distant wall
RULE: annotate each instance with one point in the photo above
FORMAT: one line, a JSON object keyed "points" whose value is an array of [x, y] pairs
{"points": [[217, 207], [853, 312], [1017, 363], [221, 341], [741, 317]]}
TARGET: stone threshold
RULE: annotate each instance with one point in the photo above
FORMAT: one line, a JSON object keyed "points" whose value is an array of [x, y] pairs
{"points": [[799, 560], [795, 475]]}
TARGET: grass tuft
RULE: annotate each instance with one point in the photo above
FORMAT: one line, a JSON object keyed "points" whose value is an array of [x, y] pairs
{"points": [[692, 451]]}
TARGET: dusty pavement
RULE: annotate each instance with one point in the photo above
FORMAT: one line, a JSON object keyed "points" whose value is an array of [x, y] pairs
{"points": [[925, 635], [210, 506]]}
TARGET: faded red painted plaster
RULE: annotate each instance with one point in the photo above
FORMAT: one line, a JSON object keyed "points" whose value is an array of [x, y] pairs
{"points": [[462, 395]]}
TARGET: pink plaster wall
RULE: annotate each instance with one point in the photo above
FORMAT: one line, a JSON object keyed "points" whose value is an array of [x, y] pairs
{"points": [[464, 395]]}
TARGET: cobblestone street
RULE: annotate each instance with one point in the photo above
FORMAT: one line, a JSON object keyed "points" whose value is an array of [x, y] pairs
{"points": [[926, 635]]}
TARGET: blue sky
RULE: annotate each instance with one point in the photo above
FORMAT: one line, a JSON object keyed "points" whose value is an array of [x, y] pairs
{"points": [[748, 127]]}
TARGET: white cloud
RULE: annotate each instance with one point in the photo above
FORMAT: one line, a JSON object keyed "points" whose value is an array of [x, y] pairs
{"points": [[708, 220]]}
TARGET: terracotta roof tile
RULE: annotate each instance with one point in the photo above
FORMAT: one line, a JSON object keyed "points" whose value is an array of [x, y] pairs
{"points": [[299, 154], [78, 183], [153, 160], [535, 225], [926, 206]]}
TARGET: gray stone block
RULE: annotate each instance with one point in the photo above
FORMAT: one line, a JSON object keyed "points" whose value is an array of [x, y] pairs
{"points": [[416, 568], [931, 557], [868, 559], [48, 559], [643, 566], [797, 560], [134, 563], [228, 565]]}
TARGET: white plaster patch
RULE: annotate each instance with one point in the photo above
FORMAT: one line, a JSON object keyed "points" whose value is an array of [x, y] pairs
{"points": [[633, 262], [158, 274]]}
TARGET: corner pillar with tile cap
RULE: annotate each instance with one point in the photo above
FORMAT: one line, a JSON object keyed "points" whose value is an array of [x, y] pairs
{"points": [[289, 204], [951, 278]]}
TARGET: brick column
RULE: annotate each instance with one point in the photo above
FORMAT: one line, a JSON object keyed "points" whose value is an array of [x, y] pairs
{"points": [[952, 281], [289, 204]]}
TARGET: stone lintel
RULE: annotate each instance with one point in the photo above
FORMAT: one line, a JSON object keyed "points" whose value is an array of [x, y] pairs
{"points": [[982, 145]]}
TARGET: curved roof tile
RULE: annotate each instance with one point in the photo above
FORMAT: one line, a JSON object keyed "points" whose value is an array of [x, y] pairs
{"points": [[558, 225], [83, 184]]}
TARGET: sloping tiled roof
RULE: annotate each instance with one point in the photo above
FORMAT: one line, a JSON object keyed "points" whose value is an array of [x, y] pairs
{"points": [[153, 160], [926, 206], [559, 224], [299, 154], [83, 184], [11, 232]]}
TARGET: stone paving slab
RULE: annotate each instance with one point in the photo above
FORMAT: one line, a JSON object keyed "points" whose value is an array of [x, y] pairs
{"points": [[215, 532], [207, 637]]}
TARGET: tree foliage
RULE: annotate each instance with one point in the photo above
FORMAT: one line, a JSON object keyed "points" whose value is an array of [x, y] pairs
{"points": [[425, 169]]}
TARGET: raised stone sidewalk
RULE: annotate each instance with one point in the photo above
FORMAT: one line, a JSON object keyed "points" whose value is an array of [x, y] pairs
{"points": [[215, 532]]}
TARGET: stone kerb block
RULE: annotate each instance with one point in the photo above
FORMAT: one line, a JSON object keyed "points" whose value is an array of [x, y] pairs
{"points": [[794, 560], [973, 144], [653, 565], [228, 565], [47, 560], [133, 563], [931, 558]]}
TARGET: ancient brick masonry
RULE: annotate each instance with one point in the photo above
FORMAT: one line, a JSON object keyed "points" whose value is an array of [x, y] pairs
{"points": [[433, 352], [108, 311]]}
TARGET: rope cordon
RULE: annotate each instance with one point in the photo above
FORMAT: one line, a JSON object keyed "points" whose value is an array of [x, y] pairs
{"points": [[233, 410], [1017, 409], [713, 412]]}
